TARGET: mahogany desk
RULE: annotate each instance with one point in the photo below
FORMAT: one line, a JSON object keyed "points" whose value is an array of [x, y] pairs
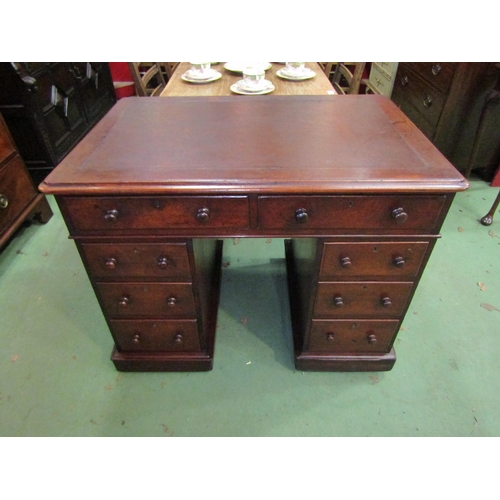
{"points": [[356, 190]]}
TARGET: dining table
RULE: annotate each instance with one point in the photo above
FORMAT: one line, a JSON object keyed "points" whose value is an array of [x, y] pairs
{"points": [[318, 85]]}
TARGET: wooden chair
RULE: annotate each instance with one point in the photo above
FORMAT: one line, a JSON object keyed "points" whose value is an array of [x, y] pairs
{"points": [[148, 78], [344, 81]]}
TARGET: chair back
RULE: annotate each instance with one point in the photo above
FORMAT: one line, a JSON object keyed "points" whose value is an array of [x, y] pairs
{"points": [[346, 81], [148, 78]]}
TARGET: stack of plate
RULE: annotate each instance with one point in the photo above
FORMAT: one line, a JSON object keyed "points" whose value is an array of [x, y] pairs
{"points": [[241, 87], [196, 77], [288, 74]]}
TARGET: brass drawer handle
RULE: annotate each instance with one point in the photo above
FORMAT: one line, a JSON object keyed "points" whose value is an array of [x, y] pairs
{"points": [[111, 263], [427, 101], [4, 201], [399, 215], [203, 214], [346, 262], [436, 69], [111, 216], [301, 215]]}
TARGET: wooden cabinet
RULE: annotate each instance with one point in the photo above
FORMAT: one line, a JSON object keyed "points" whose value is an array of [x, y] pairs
{"points": [[382, 76], [447, 102], [49, 107], [19, 200], [356, 191]]}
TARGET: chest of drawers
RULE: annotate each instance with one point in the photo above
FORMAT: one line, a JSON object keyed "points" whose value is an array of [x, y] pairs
{"points": [[355, 189]]}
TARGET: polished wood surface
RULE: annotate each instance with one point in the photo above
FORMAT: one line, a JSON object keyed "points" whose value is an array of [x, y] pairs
{"points": [[319, 85], [356, 189]]}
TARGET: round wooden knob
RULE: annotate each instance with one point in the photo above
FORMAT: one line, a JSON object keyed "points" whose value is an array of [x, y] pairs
{"points": [[399, 261], [346, 262], [111, 216], [136, 339], [399, 215], [436, 69], [301, 215], [404, 81], [171, 302], [111, 263], [124, 301], [330, 336], [203, 215], [338, 301], [162, 262], [427, 101], [178, 339], [386, 302], [4, 201], [372, 339]]}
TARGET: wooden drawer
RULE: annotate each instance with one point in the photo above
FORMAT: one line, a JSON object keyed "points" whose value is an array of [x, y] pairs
{"points": [[16, 191], [352, 336], [122, 300], [361, 299], [395, 213], [438, 74], [145, 335], [399, 98], [163, 261], [387, 67], [161, 212], [423, 97], [399, 260]]}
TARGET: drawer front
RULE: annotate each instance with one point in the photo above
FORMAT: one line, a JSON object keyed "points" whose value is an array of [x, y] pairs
{"points": [[337, 336], [399, 98], [394, 259], [121, 300], [162, 212], [428, 101], [381, 81], [165, 261], [438, 74], [172, 335], [387, 67], [396, 213], [16, 191], [361, 299]]}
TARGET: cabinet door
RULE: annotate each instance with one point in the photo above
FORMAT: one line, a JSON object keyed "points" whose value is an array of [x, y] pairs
{"points": [[95, 87]]}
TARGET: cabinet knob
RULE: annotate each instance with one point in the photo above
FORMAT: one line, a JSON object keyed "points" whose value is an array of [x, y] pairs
{"points": [[203, 214], [386, 302], [124, 301], [171, 302], [301, 215], [4, 201], [427, 101], [338, 301], [405, 81], [136, 339], [111, 216], [436, 69], [399, 215], [372, 339], [399, 261], [330, 336], [345, 262], [111, 263], [178, 339], [162, 262]]}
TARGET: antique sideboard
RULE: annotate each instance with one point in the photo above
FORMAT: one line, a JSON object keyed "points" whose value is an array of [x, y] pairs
{"points": [[356, 190]]}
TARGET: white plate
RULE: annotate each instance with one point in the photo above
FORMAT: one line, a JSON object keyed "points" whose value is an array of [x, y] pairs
{"points": [[196, 75], [237, 90], [238, 67], [265, 85], [287, 76], [187, 78]]}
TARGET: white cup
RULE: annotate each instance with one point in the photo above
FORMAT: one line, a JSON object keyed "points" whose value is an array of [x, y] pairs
{"points": [[295, 68], [200, 70], [254, 76]]}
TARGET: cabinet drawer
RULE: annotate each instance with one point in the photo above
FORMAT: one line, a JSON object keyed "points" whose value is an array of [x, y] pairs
{"points": [[172, 335], [147, 299], [165, 261], [397, 213], [387, 67], [352, 336], [393, 259], [438, 74], [162, 212], [427, 100], [361, 299], [16, 191]]}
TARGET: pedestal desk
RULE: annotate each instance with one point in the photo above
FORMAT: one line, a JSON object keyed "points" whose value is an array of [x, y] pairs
{"points": [[355, 189]]}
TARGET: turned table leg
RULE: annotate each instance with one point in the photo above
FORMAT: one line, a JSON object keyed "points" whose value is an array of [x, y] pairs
{"points": [[488, 218]]}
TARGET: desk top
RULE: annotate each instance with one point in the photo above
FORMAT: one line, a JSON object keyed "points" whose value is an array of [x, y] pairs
{"points": [[281, 144], [319, 85]]}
